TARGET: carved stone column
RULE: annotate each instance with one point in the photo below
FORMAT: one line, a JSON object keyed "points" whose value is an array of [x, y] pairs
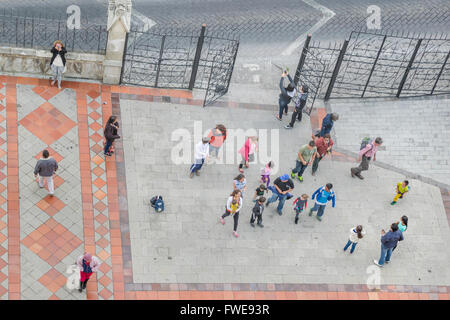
{"points": [[119, 21]]}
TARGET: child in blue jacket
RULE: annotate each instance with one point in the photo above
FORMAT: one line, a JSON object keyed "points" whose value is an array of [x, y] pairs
{"points": [[324, 194]]}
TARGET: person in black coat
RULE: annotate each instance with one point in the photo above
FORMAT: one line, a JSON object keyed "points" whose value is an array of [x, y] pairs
{"points": [[110, 134], [300, 101], [58, 61], [285, 95]]}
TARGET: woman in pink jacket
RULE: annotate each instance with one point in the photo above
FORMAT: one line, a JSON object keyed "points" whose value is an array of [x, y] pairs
{"points": [[87, 265], [248, 152]]}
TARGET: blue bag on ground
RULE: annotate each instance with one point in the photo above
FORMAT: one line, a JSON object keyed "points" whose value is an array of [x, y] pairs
{"points": [[157, 203]]}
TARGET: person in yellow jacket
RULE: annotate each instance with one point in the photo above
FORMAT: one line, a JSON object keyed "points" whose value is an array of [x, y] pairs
{"points": [[402, 188]]}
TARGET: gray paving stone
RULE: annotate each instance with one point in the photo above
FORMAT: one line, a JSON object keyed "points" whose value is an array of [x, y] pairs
{"points": [[203, 250]]}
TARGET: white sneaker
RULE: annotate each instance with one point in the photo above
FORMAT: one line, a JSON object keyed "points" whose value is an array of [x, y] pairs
{"points": [[376, 263]]}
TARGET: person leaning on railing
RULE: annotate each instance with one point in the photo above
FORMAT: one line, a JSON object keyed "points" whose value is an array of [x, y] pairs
{"points": [[58, 61]]}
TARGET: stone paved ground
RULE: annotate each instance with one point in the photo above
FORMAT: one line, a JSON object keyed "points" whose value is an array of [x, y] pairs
{"points": [[414, 131], [40, 237], [187, 244]]}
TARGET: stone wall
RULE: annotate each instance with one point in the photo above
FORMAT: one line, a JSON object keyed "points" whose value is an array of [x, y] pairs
{"points": [[37, 62]]}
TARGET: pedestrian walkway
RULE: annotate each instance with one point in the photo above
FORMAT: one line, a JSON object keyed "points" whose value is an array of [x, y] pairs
{"points": [[101, 206]]}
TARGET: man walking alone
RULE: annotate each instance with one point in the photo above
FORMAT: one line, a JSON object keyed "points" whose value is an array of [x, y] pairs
{"points": [[365, 155], [45, 168]]}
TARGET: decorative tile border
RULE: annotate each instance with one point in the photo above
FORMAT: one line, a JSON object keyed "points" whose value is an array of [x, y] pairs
{"points": [[13, 190], [3, 196]]}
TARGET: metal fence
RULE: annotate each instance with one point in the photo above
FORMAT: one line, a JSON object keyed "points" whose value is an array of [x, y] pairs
{"points": [[164, 60], [40, 33], [371, 64]]}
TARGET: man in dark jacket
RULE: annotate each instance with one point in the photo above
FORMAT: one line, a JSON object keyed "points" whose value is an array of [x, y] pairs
{"points": [[257, 212], [110, 133], [327, 123], [285, 95], [388, 242], [300, 101], [46, 168]]}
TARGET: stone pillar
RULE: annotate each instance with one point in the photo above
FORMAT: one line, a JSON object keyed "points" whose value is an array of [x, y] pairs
{"points": [[119, 20]]}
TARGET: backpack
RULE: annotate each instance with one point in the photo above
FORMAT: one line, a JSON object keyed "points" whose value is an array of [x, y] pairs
{"points": [[364, 142], [157, 203]]}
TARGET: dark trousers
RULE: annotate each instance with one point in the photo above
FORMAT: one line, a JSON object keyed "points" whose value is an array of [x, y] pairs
{"points": [[235, 218], [348, 245], [83, 284], [363, 166], [297, 213], [108, 145], [315, 164], [283, 107], [296, 114], [299, 168], [197, 166], [256, 217]]}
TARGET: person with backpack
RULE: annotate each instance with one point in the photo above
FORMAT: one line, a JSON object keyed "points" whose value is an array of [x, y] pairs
{"points": [[232, 208], [401, 189], [306, 155], [388, 242], [402, 226], [327, 123], [280, 191], [368, 150], [299, 205], [324, 194], [300, 102], [323, 145], [265, 173], [286, 95], [217, 137], [356, 234], [257, 212], [201, 154]]}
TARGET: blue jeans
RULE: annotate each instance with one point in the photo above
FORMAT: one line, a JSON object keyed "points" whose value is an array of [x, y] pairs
{"points": [[197, 166], [275, 197], [348, 245], [299, 168], [385, 254], [283, 107], [107, 146], [319, 208]]}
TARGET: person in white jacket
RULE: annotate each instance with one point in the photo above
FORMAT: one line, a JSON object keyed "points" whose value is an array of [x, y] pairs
{"points": [[87, 265], [356, 233], [200, 155]]}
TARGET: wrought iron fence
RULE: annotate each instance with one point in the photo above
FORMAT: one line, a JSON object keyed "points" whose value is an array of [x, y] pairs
{"points": [[371, 64], [40, 33], [179, 61]]}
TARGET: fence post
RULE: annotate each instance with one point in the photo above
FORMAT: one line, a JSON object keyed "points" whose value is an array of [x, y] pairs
{"points": [[198, 53], [336, 69], [301, 62], [373, 67], [161, 51], [440, 72], [411, 61], [119, 21]]}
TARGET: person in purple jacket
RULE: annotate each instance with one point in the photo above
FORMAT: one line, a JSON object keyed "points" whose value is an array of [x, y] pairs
{"points": [[388, 242]]}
